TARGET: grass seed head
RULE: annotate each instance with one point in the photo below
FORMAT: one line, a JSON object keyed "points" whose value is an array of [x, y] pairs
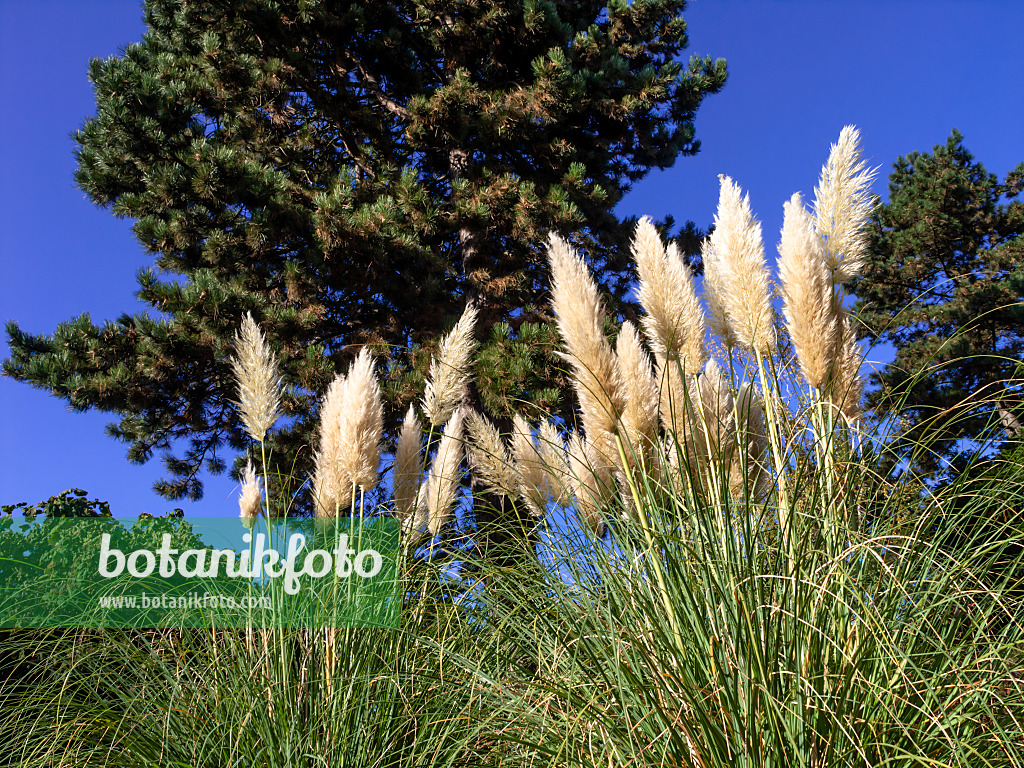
{"points": [[807, 293], [445, 474], [259, 384], [250, 501], [738, 284], [842, 205], [450, 370]]}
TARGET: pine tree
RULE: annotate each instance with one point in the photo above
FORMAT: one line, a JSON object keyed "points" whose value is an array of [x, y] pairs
{"points": [[944, 286], [355, 173]]}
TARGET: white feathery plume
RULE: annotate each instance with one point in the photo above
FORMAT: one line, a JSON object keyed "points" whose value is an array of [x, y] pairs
{"points": [[250, 501], [408, 465], [739, 275], [842, 205], [536, 480], [846, 385], [555, 461], [487, 456], [807, 293], [590, 479], [329, 494], [714, 423], [259, 384], [635, 380], [443, 479], [450, 370], [674, 323], [580, 312], [351, 426], [714, 293], [415, 524]]}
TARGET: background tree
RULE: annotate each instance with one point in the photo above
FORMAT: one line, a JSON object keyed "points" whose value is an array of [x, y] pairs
{"points": [[354, 173], [944, 286]]}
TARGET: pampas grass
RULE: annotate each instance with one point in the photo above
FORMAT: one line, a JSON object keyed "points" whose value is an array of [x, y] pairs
{"points": [[846, 384], [442, 487], [674, 321], [487, 456], [538, 477], [735, 275], [635, 379], [761, 604], [351, 426], [250, 499], [809, 302], [449, 370], [259, 384], [408, 466], [579, 312], [591, 483], [842, 205]]}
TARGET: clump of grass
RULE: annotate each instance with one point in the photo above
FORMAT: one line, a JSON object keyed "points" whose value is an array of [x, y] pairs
{"points": [[351, 426], [750, 586], [259, 384]]}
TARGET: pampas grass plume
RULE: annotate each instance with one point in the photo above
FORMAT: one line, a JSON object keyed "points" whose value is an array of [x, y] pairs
{"points": [[259, 385], [250, 501], [408, 465], [635, 379], [580, 313], [738, 275], [807, 293], [674, 323], [443, 479], [846, 384], [589, 480], [487, 455], [449, 370], [351, 426], [537, 482], [842, 205], [748, 474]]}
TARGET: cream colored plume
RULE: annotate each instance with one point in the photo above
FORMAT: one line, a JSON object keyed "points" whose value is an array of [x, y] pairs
{"points": [[714, 415], [250, 502], [445, 473], [846, 385], [408, 465], [351, 426], [555, 460], [842, 206], [487, 456], [259, 385], [540, 468], [674, 323], [450, 370], [738, 278], [748, 471], [414, 525], [591, 481], [635, 380], [807, 293], [580, 312], [714, 295]]}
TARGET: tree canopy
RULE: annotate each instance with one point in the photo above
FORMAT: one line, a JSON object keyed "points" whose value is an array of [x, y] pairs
{"points": [[945, 285], [355, 173]]}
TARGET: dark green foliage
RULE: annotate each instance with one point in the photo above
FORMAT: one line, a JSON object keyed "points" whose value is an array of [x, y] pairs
{"points": [[944, 285], [353, 173]]}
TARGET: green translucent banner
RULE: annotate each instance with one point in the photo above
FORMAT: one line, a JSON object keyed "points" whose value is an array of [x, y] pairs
{"points": [[105, 572]]}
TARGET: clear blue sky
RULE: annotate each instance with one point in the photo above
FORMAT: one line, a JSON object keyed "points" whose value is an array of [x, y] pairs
{"points": [[905, 72]]}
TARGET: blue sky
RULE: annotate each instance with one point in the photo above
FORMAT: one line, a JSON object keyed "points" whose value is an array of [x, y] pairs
{"points": [[905, 72]]}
